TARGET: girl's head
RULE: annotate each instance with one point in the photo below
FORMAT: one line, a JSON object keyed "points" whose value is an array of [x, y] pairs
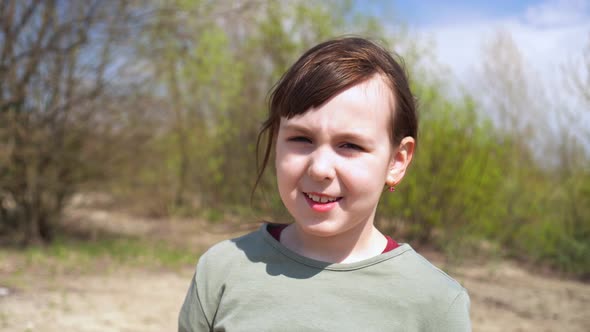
{"points": [[328, 69], [343, 123]]}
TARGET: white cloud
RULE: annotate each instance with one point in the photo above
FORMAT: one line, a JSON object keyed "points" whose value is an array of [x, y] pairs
{"points": [[558, 12], [459, 45]]}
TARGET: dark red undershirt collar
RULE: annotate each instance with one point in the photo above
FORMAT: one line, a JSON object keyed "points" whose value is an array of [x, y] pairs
{"points": [[276, 229]]}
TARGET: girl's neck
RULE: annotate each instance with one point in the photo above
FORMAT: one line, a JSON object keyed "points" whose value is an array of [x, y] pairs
{"points": [[353, 245]]}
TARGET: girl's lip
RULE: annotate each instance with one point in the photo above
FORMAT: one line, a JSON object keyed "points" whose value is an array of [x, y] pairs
{"points": [[321, 207]]}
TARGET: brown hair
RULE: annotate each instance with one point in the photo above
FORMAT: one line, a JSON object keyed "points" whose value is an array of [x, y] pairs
{"points": [[328, 69]]}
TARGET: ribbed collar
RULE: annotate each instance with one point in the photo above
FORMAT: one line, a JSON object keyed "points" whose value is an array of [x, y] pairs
{"points": [[403, 248]]}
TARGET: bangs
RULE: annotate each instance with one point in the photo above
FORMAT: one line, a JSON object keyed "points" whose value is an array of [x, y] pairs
{"points": [[319, 75], [319, 85]]}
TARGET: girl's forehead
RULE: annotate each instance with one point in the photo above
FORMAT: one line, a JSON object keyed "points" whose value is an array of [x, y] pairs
{"points": [[368, 103]]}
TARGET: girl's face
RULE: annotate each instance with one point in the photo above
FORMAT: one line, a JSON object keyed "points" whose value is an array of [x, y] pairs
{"points": [[332, 162]]}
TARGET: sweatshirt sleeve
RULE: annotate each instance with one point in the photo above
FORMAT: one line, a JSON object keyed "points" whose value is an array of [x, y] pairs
{"points": [[201, 301], [457, 317]]}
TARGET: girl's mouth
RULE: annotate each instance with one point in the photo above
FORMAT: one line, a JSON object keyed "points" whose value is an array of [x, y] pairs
{"points": [[320, 202]]}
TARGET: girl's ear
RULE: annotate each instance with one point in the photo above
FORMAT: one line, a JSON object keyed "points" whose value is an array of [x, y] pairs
{"points": [[400, 161]]}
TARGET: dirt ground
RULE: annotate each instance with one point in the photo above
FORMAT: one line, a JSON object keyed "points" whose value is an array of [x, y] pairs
{"points": [[505, 297]]}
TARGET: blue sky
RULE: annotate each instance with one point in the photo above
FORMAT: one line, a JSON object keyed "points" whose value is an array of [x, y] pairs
{"points": [[419, 13], [428, 12]]}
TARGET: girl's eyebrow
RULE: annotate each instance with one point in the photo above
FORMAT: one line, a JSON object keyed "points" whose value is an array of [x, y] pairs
{"points": [[296, 127], [348, 135], [353, 136]]}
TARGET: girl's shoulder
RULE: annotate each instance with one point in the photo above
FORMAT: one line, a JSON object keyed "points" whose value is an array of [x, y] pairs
{"points": [[234, 252], [434, 272], [421, 273]]}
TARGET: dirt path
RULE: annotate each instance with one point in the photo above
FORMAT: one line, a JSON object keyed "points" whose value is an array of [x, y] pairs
{"points": [[504, 296], [507, 298], [118, 301]]}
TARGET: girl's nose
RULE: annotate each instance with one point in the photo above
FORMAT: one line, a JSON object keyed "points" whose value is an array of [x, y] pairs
{"points": [[321, 166]]}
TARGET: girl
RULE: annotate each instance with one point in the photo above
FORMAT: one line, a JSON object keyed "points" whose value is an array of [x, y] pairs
{"points": [[343, 125]]}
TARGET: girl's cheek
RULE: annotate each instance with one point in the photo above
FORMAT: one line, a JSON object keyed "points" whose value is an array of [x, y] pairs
{"points": [[289, 162], [365, 170]]}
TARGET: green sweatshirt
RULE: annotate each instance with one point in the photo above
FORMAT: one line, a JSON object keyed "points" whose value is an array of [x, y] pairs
{"points": [[254, 283]]}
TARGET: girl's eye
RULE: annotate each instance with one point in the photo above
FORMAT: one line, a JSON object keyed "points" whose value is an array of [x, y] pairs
{"points": [[302, 139], [352, 146]]}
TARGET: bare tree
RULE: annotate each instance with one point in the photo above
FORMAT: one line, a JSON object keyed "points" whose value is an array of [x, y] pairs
{"points": [[580, 79], [54, 60]]}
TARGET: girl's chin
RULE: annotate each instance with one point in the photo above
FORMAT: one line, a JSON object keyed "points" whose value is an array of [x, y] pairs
{"points": [[318, 229]]}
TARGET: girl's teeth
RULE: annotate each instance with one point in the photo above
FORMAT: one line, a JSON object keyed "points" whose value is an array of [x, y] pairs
{"points": [[320, 199]]}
